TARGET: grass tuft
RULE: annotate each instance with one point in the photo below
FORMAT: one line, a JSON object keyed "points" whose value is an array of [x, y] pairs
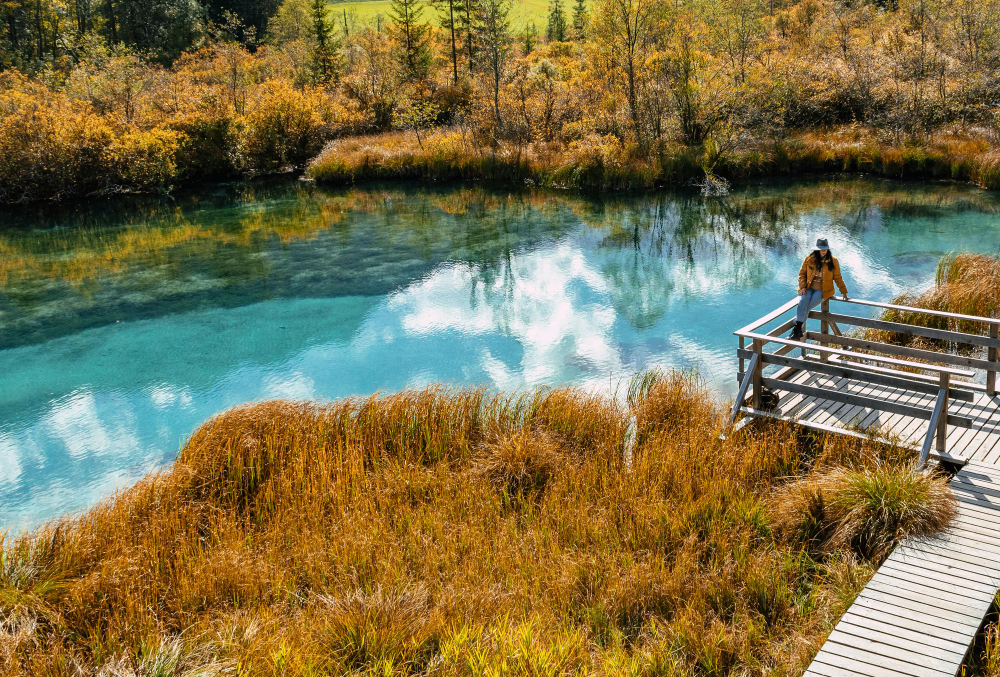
{"points": [[868, 509]]}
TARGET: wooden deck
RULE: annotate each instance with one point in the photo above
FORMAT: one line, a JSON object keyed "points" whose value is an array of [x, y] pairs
{"points": [[980, 442], [921, 611], [923, 608]]}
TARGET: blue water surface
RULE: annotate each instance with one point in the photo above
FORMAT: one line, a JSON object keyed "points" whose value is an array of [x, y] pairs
{"points": [[124, 325]]}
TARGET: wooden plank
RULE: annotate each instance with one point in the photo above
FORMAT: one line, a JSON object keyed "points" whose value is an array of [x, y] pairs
{"points": [[979, 488], [971, 518], [873, 403], [860, 356], [741, 395], [922, 311], [895, 425], [909, 329], [886, 423], [898, 379], [976, 527], [972, 499], [929, 666], [930, 644], [992, 354], [904, 351], [810, 404], [907, 428], [887, 662], [933, 427], [937, 580], [971, 572], [896, 615], [988, 432], [829, 411], [944, 606], [821, 670], [922, 605], [853, 666], [750, 411], [956, 546], [896, 645], [952, 600], [773, 315], [981, 437], [955, 435], [973, 561]]}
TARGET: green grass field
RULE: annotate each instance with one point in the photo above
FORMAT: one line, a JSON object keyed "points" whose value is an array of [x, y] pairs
{"points": [[366, 11]]}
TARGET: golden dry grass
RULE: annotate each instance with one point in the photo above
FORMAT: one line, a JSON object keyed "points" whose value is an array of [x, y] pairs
{"points": [[445, 533], [603, 162]]}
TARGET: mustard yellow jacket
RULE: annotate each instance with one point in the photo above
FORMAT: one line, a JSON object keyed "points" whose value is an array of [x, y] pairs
{"points": [[808, 271]]}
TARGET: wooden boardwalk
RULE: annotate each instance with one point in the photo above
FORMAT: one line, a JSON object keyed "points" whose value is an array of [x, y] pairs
{"points": [[921, 611], [923, 608]]}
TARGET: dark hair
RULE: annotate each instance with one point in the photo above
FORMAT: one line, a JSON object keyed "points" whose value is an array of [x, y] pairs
{"points": [[818, 259]]}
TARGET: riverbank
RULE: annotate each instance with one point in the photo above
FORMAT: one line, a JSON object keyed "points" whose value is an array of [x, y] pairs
{"points": [[604, 163], [455, 532]]}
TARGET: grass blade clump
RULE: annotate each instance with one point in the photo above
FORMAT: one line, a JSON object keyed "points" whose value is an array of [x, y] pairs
{"points": [[867, 509], [394, 630], [521, 463]]}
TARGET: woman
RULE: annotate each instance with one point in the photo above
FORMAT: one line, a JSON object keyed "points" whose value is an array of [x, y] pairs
{"points": [[816, 277]]}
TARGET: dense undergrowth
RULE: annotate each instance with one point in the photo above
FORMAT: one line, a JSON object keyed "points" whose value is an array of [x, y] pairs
{"points": [[635, 94], [465, 533]]}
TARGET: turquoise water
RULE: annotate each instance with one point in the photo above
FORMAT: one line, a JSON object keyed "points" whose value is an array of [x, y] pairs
{"points": [[125, 325]]}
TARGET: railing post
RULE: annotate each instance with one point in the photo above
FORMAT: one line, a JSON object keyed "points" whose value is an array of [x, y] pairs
{"points": [[991, 355], [942, 429], [758, 372], [742, 365], [824, 328]]}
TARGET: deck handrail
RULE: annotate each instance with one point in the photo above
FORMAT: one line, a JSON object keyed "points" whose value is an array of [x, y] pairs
{"points": [[765, 338], [773, 315], [924, 311]]}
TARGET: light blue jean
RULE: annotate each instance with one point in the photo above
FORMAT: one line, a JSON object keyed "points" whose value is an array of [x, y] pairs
{"points": [[808, 301]]}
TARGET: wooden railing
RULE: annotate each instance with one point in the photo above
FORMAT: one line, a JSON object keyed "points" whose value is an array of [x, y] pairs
{"points": [[941, 374]]}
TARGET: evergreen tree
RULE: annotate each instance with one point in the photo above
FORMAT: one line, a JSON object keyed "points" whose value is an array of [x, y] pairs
{"points": [[580, 19], [466, 13], [493, 31], [450, 13], [528, 38], [326, 62], [414, 37], [557, 22]]}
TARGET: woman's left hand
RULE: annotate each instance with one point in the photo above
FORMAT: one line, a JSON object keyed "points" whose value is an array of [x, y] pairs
{"points": [[845, 297]]}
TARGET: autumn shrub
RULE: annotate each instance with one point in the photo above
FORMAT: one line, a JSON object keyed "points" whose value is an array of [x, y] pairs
{"points": [[52, 146], [121, 125], [521, 464], [143, 161]]}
